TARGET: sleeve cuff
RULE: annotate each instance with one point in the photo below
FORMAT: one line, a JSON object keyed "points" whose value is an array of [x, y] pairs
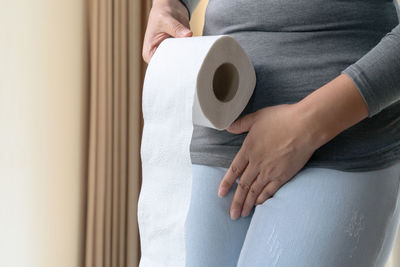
{"points": [[376, 74], [359, 80]]}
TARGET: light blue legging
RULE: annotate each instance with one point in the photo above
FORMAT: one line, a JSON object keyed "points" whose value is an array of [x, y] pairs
{"points": [[320, 218]]}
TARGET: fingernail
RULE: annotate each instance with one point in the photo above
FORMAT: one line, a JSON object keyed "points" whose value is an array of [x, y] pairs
{"points": [[184, 31], [234, 214]]}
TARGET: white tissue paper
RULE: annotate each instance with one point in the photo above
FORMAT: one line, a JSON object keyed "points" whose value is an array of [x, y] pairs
{"points": [[206, 81]]}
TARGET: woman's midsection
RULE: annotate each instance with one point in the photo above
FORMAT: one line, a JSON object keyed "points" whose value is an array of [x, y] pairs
{"points": [[298, 46], [298, 16]]}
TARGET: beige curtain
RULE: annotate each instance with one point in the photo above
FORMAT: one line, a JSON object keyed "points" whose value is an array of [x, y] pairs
{"points": [[116, 30]]}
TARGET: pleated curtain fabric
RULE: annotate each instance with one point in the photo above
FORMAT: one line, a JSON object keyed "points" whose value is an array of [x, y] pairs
{"points": [[116, 30]]}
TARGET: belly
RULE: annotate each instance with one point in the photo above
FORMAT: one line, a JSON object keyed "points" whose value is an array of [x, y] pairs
{"points": [[298, 46]]}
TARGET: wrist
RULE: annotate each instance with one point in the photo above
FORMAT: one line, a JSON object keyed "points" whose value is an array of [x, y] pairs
{"points": [[331, 109], [311, 120]]}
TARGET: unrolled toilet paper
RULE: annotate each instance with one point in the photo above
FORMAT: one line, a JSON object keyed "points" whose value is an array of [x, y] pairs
{"points": [[206, 81]]}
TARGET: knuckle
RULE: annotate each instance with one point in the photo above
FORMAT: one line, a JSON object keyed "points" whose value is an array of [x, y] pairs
{"points": [[177, 27], [249, 147], [266, 173], [161, 15], [253, 191], [263, 177], [235, 169], [259, 184], [163, 20], [244, 186], [257, 161]]}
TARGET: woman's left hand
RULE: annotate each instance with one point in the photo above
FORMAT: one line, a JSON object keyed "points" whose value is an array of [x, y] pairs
{"points": [[276, 147], [282, 138]]}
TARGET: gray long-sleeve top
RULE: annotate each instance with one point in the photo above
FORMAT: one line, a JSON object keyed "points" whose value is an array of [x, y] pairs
{"points": [[298, 46]]}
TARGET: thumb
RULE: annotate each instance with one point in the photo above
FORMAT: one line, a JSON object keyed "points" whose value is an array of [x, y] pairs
{"points": [[242, 124], [177, 29]]}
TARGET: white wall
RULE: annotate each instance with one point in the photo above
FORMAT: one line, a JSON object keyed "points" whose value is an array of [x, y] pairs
{"points": [[43, 95]]}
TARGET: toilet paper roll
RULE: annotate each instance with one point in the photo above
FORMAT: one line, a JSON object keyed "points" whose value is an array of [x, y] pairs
{"points": [[206, 81]]}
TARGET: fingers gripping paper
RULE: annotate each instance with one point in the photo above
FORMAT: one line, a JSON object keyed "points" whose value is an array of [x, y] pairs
{"points": [[206, 81]]}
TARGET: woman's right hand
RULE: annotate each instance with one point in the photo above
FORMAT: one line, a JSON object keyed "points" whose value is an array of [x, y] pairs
{"points": [[167, 18]]}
